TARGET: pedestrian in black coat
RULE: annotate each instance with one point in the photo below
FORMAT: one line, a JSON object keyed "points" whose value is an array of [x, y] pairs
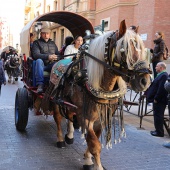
{"points": [[157, 95], [158, 50], [2, 75]]}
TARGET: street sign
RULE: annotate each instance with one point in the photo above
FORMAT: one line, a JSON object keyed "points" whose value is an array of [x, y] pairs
{"points": [[144, 37]]}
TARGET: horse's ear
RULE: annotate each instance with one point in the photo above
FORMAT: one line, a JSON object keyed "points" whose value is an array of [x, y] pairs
{"points": [[122, 28], [137, 29]]}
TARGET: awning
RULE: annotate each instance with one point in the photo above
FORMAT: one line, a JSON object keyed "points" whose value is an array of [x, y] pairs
{"points": [[75, 23]]}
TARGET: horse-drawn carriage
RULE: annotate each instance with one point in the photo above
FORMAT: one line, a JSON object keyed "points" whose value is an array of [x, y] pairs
{"points": [[92, 86], [11, 63], [12, 67]]}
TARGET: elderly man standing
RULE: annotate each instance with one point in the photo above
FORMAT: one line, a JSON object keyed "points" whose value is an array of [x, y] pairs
{"points": [[45, 52], [157, 95]]}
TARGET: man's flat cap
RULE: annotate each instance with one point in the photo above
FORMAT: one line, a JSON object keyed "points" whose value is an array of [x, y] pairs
{"points": [[45, 30]]}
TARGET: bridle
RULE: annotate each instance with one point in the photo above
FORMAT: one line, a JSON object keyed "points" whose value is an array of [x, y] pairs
{"points": [[119, 67], [13, 62]]}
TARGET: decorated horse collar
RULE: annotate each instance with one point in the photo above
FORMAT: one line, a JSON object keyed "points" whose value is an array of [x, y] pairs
{"points": [[108, 95]]}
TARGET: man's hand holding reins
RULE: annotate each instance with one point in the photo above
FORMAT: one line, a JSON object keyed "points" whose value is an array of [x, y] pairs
{"points": [[52, 57]]}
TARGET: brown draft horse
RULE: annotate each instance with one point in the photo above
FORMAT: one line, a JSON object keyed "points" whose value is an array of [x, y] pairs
{"points": [[119, 58]]}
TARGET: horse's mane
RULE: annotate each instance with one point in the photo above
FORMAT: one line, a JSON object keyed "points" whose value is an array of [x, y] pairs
{"points": [[94, 69], [97, 49], [130, 36]]}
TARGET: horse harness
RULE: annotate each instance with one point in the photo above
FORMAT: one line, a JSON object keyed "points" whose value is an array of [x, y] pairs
{"points": [[111, 61], [79, 73]]}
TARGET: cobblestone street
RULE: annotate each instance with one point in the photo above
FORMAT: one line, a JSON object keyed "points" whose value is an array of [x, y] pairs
{"points": [[36, 148]]}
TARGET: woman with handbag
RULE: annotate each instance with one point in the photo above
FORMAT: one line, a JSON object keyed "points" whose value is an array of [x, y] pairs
{"points": [[158, 51]]}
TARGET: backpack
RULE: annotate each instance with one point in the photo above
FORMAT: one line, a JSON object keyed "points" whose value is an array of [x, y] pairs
{"points": [[165, 55]]}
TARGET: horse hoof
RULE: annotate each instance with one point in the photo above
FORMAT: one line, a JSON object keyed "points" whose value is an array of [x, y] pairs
{"points": [[68, 140], [88, 167], [61, 144]]}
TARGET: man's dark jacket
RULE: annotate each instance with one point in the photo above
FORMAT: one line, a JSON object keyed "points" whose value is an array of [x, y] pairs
{"points": [[5, 55], [2, 74], [157, 91], [42, 49]]}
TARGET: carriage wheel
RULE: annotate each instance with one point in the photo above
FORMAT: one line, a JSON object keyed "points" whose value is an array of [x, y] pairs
{"points": [[21, 109]]}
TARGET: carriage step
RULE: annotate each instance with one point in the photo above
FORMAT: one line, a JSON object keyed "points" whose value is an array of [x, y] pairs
{"points": [[130, 103]]}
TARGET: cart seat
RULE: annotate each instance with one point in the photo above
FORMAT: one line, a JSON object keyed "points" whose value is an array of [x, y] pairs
{"points": [[46, 74]]}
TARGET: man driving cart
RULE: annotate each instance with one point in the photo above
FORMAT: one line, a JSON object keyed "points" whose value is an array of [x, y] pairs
{"points": [[46, 53]]}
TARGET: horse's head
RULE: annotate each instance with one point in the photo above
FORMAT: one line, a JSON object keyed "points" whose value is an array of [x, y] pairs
{"points": [[14, 61], [130, 54], [125, 53]]}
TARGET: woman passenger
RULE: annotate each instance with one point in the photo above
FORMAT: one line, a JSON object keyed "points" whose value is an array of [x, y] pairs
{"points": [[73, 48], [59, 68], [68, 41]]}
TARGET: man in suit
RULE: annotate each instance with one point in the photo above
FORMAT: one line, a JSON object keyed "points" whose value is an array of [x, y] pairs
{"points": [[157, 95]]}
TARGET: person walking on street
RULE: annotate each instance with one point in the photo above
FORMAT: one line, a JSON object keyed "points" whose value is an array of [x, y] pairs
{"points": [[45, 52], [5, 55], [157, 95], [158, 51], [2, 75]]}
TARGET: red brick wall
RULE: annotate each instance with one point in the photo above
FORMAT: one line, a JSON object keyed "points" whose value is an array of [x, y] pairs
{"points": [[162, 19], [150, 15], [144, 18], [92, 5]]}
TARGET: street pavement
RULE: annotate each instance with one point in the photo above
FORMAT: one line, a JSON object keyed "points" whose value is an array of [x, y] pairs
{"points": [[36, 148]]}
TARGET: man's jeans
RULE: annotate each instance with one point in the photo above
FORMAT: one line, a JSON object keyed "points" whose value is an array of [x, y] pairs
{"points": [[39, 69]]}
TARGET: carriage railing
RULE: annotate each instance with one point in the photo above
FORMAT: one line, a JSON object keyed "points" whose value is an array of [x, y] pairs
{"points": [[137, 105], [26, 71]]}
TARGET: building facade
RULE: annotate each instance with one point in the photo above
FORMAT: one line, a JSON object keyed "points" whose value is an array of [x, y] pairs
{"points": [[6, 38], [150, 15]]}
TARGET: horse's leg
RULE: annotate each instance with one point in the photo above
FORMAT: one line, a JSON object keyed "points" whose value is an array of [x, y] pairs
{"points": [[88, 163], [58, 119], [9, 78], [13, 80], [94, 145], [69, 137], [13, 76]]}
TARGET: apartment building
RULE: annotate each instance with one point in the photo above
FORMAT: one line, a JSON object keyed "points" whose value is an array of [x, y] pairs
{"points": [[6, 38], [150, 15]]}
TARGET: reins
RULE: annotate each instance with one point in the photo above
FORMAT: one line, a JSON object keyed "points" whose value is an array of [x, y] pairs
{"points": [[63, 56], [107, 65]]}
